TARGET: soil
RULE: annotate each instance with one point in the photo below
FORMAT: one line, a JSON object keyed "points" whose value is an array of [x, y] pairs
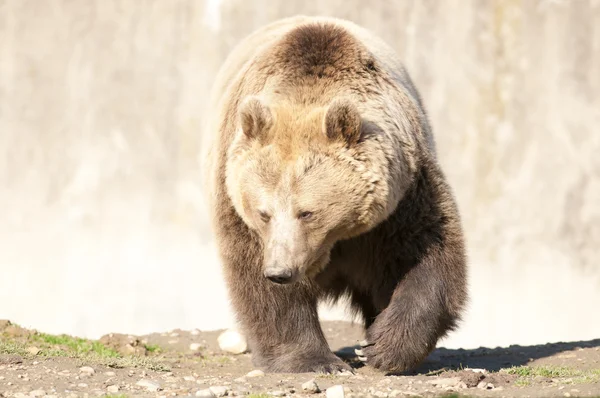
{"points": [[164, 364]]}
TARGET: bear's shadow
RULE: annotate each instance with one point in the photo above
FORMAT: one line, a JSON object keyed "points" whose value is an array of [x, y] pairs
{"points": [[491, 359]]}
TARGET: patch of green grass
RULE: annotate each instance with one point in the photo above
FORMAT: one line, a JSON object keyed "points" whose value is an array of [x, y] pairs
{"points": [[85, 351], [76, 344], [571, 375], [153, 348], [12, 348]]}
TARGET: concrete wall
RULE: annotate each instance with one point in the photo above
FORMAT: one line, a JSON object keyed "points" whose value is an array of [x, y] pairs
{"points": [[102, 226]]}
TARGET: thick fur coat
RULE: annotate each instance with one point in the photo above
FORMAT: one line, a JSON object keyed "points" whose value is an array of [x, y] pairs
{"points": [[323, 182]]}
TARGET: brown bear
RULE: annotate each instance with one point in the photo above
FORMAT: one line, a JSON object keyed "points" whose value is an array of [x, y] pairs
{"points": [[323, 182]]}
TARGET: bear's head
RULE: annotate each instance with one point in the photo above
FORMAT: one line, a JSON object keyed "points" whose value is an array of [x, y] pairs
{"points": [[303, 179]]}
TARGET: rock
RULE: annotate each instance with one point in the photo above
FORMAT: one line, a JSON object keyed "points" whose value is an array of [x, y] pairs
{"points": [[336, 391], [446, 382], [380, 394], [189, 378], [109, 374], [149, 385], [33, 350], [232, 341], [255, 373], [206, 393], [195, 346], [82, 385], [482, 385], [489, 386], [311, 387], [218, 391], [87, 370], [277, 393], [37, 393], [112, 389]]}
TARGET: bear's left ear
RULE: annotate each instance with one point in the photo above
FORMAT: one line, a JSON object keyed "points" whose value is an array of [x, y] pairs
{"points": [[255, 117], [342, 121]]}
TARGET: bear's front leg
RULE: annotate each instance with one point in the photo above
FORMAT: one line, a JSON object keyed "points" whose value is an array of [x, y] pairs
{"points": [[425, 305], [280, 321]]}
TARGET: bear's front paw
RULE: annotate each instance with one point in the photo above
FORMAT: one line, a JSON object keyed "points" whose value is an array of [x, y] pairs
{"points": [[388, 352]]}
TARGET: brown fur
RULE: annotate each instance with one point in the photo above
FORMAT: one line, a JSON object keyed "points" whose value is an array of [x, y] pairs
{"points": [[318, 114]]}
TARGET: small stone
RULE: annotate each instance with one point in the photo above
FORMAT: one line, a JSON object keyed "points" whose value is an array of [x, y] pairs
{"points": [[195, 346], [336, 391], [82, 385], [206, 393], [218, 391], [240, 380], [33, 350], [233, 342], [189, 378], [567, 394], [87, 370], [37, 393], [380, 394], [109, 374], [489, 386], [482, 385], [149, 385], [255, 373], [112, 389], [277, 393], [311, 387]]}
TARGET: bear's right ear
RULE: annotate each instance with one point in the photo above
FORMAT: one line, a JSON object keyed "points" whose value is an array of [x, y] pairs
{"points": [[255, 117], [342, 121]]}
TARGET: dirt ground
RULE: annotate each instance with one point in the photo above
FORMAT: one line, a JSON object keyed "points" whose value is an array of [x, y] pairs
{"points": [[190, 363]]}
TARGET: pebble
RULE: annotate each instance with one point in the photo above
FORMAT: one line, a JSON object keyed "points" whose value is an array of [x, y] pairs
{"points": [[567, 394], [87, 370], [112, 389], [195, 346], [148, 385], [33, 350], [37, 393], [232, 341], [218, 391], [206, 393], [255, 373], [277, 393], [336, 391], [311, 387], [82, 385], [109, 374], [189, 378]]}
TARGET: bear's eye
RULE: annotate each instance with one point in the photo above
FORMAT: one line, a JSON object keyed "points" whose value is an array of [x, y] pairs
{"points": [[305, 215], [264, 216]]}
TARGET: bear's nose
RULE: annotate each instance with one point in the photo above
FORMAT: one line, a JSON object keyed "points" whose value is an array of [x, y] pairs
{"points": [[279, 276]]}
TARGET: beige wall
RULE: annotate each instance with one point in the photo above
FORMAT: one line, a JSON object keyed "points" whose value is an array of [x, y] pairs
{"points": [[101, 102]]}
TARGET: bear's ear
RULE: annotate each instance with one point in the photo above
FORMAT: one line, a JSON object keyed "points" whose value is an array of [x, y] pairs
{"points": [[342, 121], [255, 117]]}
